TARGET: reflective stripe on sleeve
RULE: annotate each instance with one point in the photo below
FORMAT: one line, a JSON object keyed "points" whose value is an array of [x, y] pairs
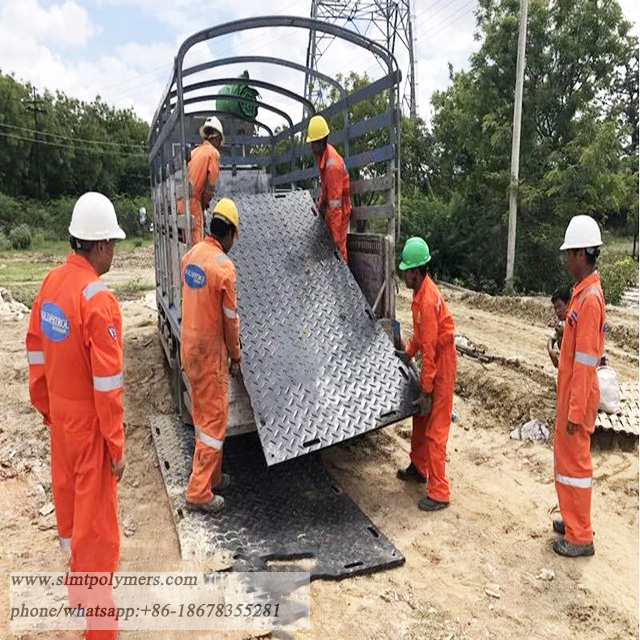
{"points": [[65, 543], [35, 357], [580, 483], [210, 441], [335, 203], [222, 258], [587, 359], [107, 383], [92, 288], [230, 313], [330, 162]]}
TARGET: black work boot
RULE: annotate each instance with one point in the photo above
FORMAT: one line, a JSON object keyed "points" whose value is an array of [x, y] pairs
{"points": [[225, 483], [410, 474], [569, 550], [558, 525], [428, 504]]}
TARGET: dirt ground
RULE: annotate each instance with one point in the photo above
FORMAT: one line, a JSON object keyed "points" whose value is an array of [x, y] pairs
{"points": [[497, 530]]}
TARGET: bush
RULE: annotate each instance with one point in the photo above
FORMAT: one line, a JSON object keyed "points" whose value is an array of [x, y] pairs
{"points": [[617, 274], [5, 244], [20, 237]]}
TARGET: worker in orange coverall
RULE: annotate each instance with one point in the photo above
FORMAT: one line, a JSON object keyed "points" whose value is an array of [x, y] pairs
{"points": [[203, 168], [334, 201], [578, 392], [433, 338], [74, 350], [209, 339]]}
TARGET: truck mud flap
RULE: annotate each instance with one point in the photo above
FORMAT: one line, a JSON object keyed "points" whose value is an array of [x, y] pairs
{"points": [[317, 365], [291, 516]]}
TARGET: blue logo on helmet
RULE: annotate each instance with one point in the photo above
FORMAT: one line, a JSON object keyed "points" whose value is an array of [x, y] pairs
{"points": [[53, 322], [195, 277]]}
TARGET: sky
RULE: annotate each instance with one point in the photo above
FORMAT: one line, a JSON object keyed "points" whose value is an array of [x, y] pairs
{"points": [[123, 50]]}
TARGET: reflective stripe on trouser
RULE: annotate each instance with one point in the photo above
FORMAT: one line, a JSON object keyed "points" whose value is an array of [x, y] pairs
{"points": [[209, 400], [573, 473], [197, 222], [430, 435], [86, 508], [338, 224]]}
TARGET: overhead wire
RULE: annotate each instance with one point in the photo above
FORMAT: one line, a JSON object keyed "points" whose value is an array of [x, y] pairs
{"points": [[15, 136], [74, 138]]}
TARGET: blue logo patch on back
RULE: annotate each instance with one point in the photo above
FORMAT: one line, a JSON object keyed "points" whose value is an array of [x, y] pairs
{"points": [[53, 322], [195, 277]]}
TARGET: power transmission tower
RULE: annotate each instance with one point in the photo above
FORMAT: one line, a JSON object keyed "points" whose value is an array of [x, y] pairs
{"points": [[34, 105], [388, 22]]}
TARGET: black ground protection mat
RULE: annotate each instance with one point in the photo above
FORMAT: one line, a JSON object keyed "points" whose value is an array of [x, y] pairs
{"points": [[318, 367], [286, 512]]}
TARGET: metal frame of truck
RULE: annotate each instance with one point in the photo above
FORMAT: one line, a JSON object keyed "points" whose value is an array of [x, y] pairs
{"points": [[284, 155]]}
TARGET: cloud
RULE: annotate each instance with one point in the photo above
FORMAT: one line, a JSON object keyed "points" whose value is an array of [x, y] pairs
{"points": [[46, 43], [64, 25]]}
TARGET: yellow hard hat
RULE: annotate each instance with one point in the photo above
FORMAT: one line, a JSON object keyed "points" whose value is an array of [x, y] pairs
{"points": [[318, 129], [226, 209]]}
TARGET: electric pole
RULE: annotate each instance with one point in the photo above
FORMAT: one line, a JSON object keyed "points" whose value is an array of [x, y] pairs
{"points": [[34, 105], [515, 147]]}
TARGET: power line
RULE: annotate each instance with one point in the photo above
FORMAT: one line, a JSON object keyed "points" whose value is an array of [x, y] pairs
{"points": [[75, 139], [461, 12], [14, 136]]}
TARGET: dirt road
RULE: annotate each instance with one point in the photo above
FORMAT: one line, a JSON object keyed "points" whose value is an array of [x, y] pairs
{"points": [[497, 530]]}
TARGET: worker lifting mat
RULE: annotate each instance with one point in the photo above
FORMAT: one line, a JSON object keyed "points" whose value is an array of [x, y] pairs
{"points": [[318, 367]]}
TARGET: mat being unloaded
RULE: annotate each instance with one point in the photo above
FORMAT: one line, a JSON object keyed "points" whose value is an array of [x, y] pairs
{"points": [[317, 365], [288, 512]]}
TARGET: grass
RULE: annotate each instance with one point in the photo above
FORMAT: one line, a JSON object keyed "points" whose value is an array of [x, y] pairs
{"points": [[60, 248], [617, 244], [22, 271]]}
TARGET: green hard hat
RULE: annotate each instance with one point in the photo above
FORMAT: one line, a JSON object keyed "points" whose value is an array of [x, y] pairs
{"points": [[415, 254]]}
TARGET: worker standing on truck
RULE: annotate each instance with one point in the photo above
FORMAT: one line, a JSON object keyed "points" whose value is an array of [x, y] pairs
{"points": [[209, 339], [433, 334], [578, 391], [334, 201], [74, 350], [203, 168]]}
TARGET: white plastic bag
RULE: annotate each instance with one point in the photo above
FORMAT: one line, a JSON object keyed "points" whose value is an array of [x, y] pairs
{"points": [[609, 390]]}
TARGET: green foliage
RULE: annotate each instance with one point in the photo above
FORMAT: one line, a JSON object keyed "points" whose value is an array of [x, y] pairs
{"points": [[617, 274], [20, 237], [50, 220], [80, 146], [5, 244], [579, 144]]}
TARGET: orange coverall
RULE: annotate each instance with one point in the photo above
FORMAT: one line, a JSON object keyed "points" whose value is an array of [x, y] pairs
{"points": [[433, 334], [74, 350], [577, 402], [209, 337], [334, 181], [203, 168]]}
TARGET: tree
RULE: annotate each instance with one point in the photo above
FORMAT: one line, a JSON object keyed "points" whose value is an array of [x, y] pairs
{"points": [[578, 133], [80, 146]]}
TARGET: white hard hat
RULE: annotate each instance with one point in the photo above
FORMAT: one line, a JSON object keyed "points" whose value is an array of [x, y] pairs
{"points": [[582, 232], [94, 218], [214, 123]]}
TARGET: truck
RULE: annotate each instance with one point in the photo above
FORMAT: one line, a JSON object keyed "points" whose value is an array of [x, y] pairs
{"points": [[266, 163]]}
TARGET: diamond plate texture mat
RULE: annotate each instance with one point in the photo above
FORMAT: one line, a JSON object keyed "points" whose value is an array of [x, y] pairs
{"points": [[317, 365], [283, 513]]}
